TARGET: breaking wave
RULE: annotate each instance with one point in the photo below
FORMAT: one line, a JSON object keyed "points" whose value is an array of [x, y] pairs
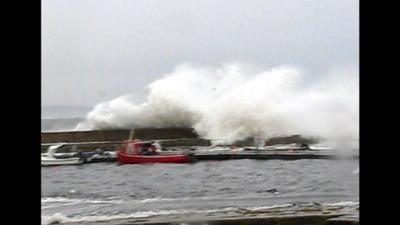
{"points": [[62, 218], [235, 101]]}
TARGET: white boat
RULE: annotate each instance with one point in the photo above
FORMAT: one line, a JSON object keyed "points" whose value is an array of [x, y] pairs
{"points": [[279, 147], [50, 159]]}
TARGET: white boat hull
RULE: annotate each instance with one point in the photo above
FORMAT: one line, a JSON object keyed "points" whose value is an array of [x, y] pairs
{"points": [[50, 161]]}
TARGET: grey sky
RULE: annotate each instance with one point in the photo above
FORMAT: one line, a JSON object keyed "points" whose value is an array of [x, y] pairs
{"points": [[96, 50]]}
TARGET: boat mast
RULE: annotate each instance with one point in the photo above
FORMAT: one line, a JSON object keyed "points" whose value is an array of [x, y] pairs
{"points": [[130, 147], [131, 134]]}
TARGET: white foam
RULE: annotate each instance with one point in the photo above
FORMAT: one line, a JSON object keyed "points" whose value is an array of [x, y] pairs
{"points": [[55, 218], [346, 203], [271, 207], [231, 103], [76, 201], [157, 199], [356, 171], [55, 199], [62, 218]]}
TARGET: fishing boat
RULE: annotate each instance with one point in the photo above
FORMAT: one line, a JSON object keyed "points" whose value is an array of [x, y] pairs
{"points": [[50, 159], [133, 152]]}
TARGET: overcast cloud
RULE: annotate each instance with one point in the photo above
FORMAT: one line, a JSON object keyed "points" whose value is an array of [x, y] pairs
{"points": [[96, 50]]}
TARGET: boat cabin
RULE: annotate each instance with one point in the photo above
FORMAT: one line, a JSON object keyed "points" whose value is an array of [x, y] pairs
{"points": [[137, 147]]}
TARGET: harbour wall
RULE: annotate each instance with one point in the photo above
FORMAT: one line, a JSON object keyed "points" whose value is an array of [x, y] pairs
{"points": [[168, 137], [118, 135]]}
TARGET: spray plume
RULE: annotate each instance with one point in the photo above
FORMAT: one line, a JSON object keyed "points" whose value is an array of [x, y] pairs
{"points": [[234, 102]]}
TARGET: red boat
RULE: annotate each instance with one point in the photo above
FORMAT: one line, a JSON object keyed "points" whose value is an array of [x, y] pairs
{"points": [[133, 152]]}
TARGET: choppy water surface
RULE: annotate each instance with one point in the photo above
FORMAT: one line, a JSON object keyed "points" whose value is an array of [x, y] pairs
{"points": [[105, 191]]}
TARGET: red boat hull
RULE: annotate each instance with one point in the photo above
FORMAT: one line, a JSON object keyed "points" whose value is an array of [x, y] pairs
{"points": [[124, 158]]}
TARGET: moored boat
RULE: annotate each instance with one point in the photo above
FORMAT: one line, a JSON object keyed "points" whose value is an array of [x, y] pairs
{"points": [[99, 156], [49, 159], [280, 147], [133, 152]]}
